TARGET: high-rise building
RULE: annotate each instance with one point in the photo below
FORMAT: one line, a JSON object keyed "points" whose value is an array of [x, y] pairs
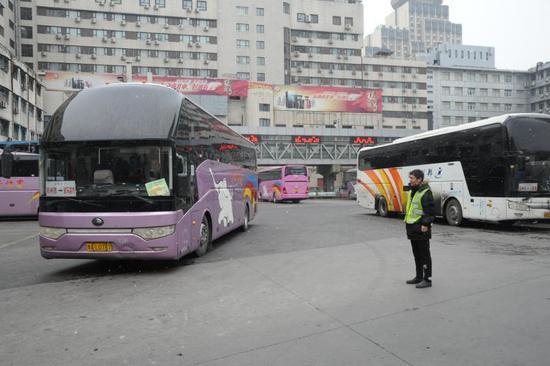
{"points": [[21, 96], [425, 22], [539, 88], [295, 41]]}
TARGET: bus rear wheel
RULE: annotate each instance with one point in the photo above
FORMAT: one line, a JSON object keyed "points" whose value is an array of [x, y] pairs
{"points": [[453, 213], [382, 209], [246, 226], [205, 243]]}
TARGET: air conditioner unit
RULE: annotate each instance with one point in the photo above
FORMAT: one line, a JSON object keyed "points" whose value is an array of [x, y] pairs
{"points": [[181, 26], [404, 106], [112, 3], [310, 40], [166, 60], [105, 39], [67, 37], [319, 71], [94, 56], [43, 54], [198, 45], [346, 57], [157, 42], [331, 71], [330, 41], [94, 20], [403, 90], [77, 19], [77, 55], [308, 19], [413, 121], [348, 26], [146, 6], [156, 7], [166, 26], [415, 106], [148, 41], [123, 58], [339, 57], [404, 121], [66, 1], [296, 53], [180, 60], [299, 69], [113, 40], [206, 62], [190, 44], [206, 29], [102, 3], [138, 59], [414, 91], [197, 10], [310, 55], [123, 23], [58, 36], [354, 72], [294, 39], [138, 24], [188, 10]]}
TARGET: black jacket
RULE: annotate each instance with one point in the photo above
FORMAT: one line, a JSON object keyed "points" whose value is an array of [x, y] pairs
{"points": [[414, 231]]}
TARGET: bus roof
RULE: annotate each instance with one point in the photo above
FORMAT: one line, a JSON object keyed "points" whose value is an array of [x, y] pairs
{"points": [[464, 127], [134, 111]]}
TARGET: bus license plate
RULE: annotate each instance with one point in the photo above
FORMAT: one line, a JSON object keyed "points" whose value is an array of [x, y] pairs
{"points": [[99, 247], [547, 215]]}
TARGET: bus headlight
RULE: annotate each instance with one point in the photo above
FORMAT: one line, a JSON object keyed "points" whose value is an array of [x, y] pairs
{"points": [[150, 233], [518, 206], [52, 232]]}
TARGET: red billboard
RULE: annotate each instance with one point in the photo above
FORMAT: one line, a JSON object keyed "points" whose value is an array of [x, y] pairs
{"points": [[327, 99], [199, 86]]}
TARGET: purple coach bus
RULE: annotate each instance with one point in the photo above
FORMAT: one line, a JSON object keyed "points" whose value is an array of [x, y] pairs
{"points": [[284, 183], [19, 182], [138, 171]]}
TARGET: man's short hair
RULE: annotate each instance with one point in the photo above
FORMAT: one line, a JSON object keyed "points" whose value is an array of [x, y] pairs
{"points": [[417, 173]]}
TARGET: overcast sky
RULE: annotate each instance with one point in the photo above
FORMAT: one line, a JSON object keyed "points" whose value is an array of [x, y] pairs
{"points": [[519, 30]]}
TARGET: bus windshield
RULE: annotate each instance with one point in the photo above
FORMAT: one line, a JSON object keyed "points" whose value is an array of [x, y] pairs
{"points": [[99, 171], [529, 137]]}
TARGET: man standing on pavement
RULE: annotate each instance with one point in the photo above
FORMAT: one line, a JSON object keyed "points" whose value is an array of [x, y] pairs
{"points": [[419, 216]]}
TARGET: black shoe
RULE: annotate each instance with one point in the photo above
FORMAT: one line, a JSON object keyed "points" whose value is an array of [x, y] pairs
{"points": [[424, 284], [414, 281]]}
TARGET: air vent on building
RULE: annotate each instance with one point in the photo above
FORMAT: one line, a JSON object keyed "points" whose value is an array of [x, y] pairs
{"points": [[353, 72], [331, 71], [319, 71], [180, 26], [138, 24], [188, 10], [414, 91]]}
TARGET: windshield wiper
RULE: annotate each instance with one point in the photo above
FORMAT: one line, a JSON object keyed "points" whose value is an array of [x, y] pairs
{"points": [[82, 201], [133, 194]]}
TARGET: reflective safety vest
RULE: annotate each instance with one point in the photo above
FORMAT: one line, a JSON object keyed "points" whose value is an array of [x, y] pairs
{"points": [[415, 211]]}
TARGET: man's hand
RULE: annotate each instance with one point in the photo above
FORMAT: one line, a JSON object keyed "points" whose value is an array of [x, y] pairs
{"points": [[424, 228]]}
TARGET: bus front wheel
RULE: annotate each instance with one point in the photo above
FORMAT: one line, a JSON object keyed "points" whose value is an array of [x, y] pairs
{"points": [[453, 213], [205, 243], [382, 207]]}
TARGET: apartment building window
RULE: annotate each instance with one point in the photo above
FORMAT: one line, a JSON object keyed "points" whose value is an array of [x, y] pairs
{"points": [[447, 120], [260, 61], [160, 3], [201, 5], [337, 20], [243, 43], [459, 106], [243, 27], [458, 91], [484, 92], [26, 13], [265, 107], [496, 92], [446, 76], [144, 2], [153, 53], [348, 21], [265, 122], [496, 78], [1, 28], [470, 76], [484, 107], [314, 18], [508, 78], [286, 8], [508, 93], [483, 78], [186, 4], [26, 32], [243, 60], [260, 12], [12, 25], [508, 107], [260, 76], [446, 90], [459, 120], [471, 106], [260, 45], [471, 92], [446, 105], [496, 107], [301, 17], [458, 76], [242, 10], [27, 50], [243, 75], [260, 28]]}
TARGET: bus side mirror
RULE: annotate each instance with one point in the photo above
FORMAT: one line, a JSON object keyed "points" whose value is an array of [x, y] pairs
{"points": [[7, 164]]}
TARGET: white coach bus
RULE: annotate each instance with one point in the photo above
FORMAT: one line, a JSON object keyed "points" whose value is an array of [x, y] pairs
{"points": [[495, 170]]}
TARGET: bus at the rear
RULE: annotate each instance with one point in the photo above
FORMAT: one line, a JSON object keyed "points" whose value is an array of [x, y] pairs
{"points": [[284, 183], [19, 182]]}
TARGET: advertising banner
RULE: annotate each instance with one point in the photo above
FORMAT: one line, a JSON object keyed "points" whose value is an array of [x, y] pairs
{"points": [[327, 99]]}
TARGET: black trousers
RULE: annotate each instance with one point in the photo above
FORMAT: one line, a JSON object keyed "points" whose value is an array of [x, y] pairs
{"points": [[422, 258]]}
